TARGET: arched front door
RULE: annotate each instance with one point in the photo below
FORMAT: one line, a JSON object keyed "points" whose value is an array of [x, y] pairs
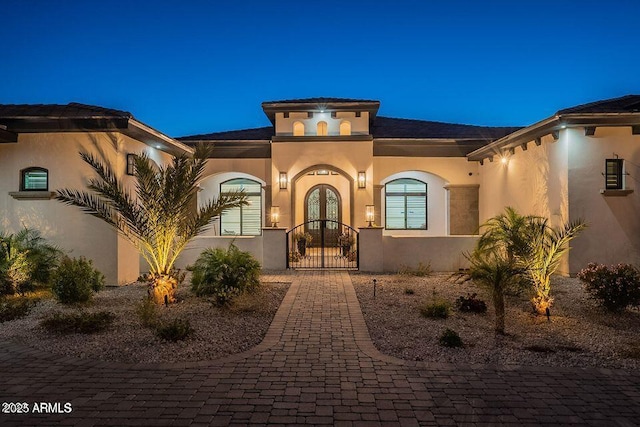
{"points": [[322, 202]]}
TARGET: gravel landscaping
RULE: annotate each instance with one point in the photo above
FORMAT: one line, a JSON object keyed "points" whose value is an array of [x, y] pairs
{"points": [[218, 332], [579, 334]]}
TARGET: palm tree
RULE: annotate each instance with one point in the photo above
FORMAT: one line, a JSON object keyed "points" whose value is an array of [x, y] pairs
{"points": [[160, 219], [548, 245], [531, 246], [494, 271]]}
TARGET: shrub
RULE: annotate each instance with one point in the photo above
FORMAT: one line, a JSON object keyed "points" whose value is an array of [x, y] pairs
{"points": [[25, 260], [16, 308], [471, 304], [450, 338], [147, 312], [224, 274], [422, 270], [409, 291], [616, 287], [176, 330], [82, 322], [435, 310], [75, 280]]}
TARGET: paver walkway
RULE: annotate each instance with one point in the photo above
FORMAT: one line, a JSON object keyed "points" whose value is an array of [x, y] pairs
{"points": [[316, 365]]}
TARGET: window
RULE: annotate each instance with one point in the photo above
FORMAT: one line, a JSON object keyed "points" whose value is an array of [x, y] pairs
{"points": [[298, 129], [34, 179], [244, 220], [345, 128], [406, 204], [322, 129], [613, 174]]}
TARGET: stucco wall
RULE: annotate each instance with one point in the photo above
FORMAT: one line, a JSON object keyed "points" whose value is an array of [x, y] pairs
{"points": [[359, 125], [613, 233], [251, 244], [442, 253], [66, 226], [295, 158]]}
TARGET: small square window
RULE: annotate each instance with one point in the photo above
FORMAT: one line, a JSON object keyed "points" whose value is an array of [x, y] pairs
{"points": [[613, 174], [34, 179]]}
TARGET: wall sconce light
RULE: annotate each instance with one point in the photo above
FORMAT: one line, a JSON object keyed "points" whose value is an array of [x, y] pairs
{"points": [[275, 215], [362, 180], [370, 215], [131, 164], [283, 180]]}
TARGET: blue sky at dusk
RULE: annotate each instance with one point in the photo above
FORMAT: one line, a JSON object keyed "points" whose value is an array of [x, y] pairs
{"points": [[193, 67]]}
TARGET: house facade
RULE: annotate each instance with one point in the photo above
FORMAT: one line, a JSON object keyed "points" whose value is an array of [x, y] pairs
{"points": [[410, 190]]}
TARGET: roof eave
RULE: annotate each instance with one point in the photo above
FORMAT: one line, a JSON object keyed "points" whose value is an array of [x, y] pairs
{"points": [[156, 139], [553, 124], [271, 108]]}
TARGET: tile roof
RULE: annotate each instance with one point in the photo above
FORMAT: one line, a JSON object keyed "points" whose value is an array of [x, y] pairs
{"points": [[383, 127], [386, 127], [71, 110], [623, 104], [263, 133], [320, 100]]}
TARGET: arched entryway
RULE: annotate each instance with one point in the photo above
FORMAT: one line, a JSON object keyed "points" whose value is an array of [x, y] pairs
{"points": [[322, 202]]}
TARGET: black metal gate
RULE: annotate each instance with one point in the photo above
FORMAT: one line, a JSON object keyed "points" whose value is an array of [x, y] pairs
{"points": [[322, 243]]}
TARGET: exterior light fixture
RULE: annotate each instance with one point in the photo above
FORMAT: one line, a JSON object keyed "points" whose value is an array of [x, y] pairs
{"points": [[362, 180], [131, 164], [370, 215], [504, 160], [283, 180], [275, 215]]}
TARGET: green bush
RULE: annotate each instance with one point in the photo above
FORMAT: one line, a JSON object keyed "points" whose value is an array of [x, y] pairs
{"points": [[15, 308], [450, 338], [75, 280], [82, 322], [435, 310], [26, 259], [176, 330], [471, 304], [224, 274], [616, 287], [409, 291]]}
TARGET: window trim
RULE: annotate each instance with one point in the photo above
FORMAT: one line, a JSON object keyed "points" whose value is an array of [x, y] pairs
{"points": [[25, 171], [404, 195], [259, 194]]}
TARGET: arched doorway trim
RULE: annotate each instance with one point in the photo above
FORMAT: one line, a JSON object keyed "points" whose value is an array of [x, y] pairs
{"points": [[303, 172]]}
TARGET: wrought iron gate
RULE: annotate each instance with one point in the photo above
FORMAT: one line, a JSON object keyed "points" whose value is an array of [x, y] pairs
{"points": [[322, 243]]}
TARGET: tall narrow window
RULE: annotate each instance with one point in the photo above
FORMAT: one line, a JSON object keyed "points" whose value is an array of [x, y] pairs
{"points": [[345, 127], [34, 179], [322, 129], [613, 174], [406, 204], [298, 129], [244, 220]]}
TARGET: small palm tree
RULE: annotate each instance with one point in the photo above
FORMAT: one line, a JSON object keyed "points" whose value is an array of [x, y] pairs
{"points": [[548, 245], [494, 271], [160, 219]]}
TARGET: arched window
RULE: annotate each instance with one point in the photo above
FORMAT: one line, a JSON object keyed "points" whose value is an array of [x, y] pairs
{"points": [[322, 129], [345, 127], [298, 129], [34, 179], [406, 204], [245, 220]]}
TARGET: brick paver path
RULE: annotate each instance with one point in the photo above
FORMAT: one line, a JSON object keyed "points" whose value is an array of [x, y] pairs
{"points": [[316, 365]]}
